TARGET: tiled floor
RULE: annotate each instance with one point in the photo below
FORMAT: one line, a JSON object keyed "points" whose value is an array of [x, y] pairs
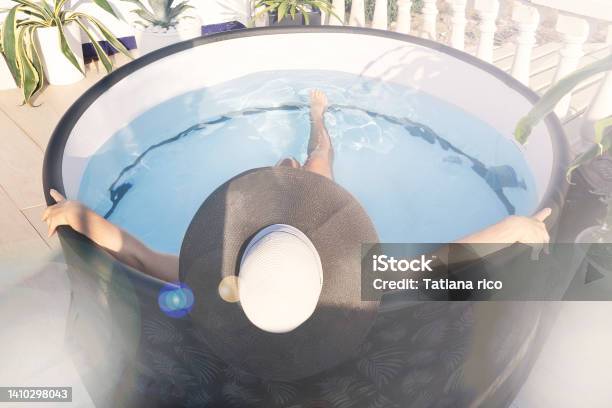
{"points": [[24, 134], [574, 367]]}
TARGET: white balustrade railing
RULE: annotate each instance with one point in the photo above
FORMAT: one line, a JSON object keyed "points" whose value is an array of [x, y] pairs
{"points": [[357, 17], [338, 7], [487, 11], [404, 16], [527, 20], [574, 32], [430, 19], [380, 20], [459, 22]]}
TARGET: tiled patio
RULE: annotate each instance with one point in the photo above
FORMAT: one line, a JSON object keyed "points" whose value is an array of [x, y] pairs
{"points": [[25, 132]]}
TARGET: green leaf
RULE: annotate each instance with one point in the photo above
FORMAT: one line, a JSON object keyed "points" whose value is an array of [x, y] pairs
{"points": [[160, 9], [293, 11], [146, 15], [33, 13], [164, 12], [138, 3], [551, 98], [180, 8], [282, 11], [600, 128], [327, 8], [306, 16], [47, 8], [106, 33], [48, 15], [106, 6], [29, 77], [36, 60], [593, 152], [59, 4], [108, 65], [523, 129], [65, 48], [9, 42]]}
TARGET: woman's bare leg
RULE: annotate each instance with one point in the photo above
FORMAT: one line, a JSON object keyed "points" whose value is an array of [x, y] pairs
{"points": [[320, 150]]}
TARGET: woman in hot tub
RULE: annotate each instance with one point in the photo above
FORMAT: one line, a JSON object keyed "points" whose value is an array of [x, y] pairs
{"points": [[132, 252]]}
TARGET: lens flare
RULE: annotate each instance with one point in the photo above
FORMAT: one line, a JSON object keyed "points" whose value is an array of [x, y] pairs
{"points": [[175, 300]]}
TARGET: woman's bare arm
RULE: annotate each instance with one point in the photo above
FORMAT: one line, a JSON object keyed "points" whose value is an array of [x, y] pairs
{"points": [[120, 244], [526, 230]]}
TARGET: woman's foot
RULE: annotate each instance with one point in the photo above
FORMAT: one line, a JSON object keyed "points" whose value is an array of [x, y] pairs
{"points": [[318, 104], [320, 150]]}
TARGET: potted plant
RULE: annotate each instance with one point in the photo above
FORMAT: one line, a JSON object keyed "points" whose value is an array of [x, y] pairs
{"points": [[162, 22], [602, 143], [546, 104], [6, 78], [293, 12], [42, 40]]}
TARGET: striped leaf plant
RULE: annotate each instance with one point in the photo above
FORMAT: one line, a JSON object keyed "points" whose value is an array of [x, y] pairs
{"points": [[546, 104], [159, 13], [20, 46]]}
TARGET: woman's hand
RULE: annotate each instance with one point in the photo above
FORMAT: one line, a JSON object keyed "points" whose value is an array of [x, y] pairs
{"points": [[530, 230], [526, 230], [121, 245], [64, 212]]}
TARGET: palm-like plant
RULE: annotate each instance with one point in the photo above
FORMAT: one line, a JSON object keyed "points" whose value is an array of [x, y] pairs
{"points": [[19, 41], [284, 8], [603, 128], [160, 13]]}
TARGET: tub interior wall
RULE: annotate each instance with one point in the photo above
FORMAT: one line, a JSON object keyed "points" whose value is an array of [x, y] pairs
{"points": [[467, 86]]}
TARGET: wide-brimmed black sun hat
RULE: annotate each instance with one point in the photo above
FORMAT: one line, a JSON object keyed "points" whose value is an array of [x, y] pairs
{"points": [[291, 240]]}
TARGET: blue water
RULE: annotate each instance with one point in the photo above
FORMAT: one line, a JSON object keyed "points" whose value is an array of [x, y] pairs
{"points": [[425, 170]]}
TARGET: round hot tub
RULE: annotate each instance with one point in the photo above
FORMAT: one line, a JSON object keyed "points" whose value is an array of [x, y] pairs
{"points": [[422, 137]]}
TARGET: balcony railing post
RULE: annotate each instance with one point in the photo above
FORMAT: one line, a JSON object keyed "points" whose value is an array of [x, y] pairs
{"points": [[404, 16], [488, 11], [380, 20], [574, 32], [527, 19], [357, 17], [339, 8], [430, 19], [458, 21]]}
